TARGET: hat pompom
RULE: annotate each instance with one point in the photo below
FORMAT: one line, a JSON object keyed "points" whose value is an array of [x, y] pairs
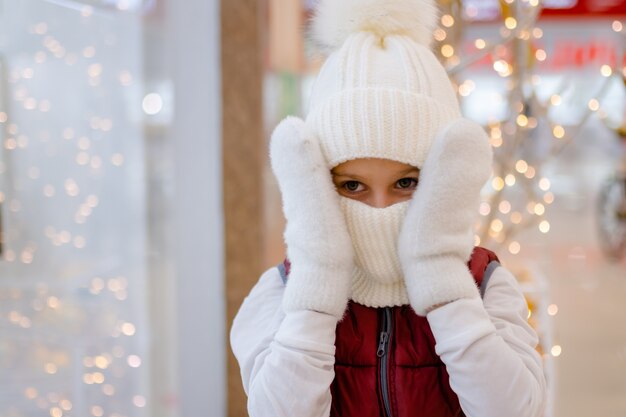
{"points": [[335, 20]]}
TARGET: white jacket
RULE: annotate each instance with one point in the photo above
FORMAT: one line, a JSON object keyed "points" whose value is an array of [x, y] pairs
{"points": [[287, 360]]}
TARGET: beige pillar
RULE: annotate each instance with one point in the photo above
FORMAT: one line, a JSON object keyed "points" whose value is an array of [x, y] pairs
{"points": [[244, 155], [285, 41]]}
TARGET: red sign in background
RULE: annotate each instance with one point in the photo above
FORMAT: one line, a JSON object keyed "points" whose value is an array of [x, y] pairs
{"points": [[584, 8]]}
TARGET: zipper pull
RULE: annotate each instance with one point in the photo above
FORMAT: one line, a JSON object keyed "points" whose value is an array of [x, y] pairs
{"points": [[382, 344]]}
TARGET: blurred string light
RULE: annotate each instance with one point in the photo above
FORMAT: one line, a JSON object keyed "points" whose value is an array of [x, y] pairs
{"points": [[32, 311], [152, 104], [516, 179], [519, 194], [540, 317]]}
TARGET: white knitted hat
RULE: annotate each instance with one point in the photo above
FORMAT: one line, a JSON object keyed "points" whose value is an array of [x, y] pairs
{"points": [[381, 93]]}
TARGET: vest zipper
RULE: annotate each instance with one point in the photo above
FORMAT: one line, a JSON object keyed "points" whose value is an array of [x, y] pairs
{"points": [[382, 353]]}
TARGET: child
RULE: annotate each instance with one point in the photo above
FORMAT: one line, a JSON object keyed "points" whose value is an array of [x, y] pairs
{"points": [[384, 308]]}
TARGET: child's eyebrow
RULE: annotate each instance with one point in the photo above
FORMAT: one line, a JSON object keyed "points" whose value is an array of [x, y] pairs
{"points": [[407, 171], [347, 174], [341, 174]]}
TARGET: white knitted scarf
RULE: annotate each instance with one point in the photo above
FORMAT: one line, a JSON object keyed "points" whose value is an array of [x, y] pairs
{"points": [[377, 279]]}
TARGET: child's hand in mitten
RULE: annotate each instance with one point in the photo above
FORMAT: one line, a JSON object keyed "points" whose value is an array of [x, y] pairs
{"points": [[436, 239], [318, 243]]}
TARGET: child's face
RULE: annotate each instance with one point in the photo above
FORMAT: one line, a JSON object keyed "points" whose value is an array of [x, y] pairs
{"points": [[376, 182]]}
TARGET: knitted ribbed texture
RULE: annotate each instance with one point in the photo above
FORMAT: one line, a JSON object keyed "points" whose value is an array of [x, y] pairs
{"points": [[377, 279], [380, 98]]}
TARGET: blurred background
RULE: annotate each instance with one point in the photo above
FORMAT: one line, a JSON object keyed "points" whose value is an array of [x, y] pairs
{"points": [[137, 208]]}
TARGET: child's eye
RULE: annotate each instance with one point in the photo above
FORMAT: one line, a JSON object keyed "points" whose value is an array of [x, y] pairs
{"points": [[406, 183], [352, 186]]}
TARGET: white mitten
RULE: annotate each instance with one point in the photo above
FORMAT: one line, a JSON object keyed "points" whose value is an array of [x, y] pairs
{"points": [[436, 238], [318, 244]]}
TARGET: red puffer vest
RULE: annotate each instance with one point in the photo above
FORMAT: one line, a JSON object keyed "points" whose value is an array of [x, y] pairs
{"points": [[385, 360]]}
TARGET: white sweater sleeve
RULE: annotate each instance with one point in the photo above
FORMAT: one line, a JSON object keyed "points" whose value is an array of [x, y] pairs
{"points": [[489, 351], [286, 360]]}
